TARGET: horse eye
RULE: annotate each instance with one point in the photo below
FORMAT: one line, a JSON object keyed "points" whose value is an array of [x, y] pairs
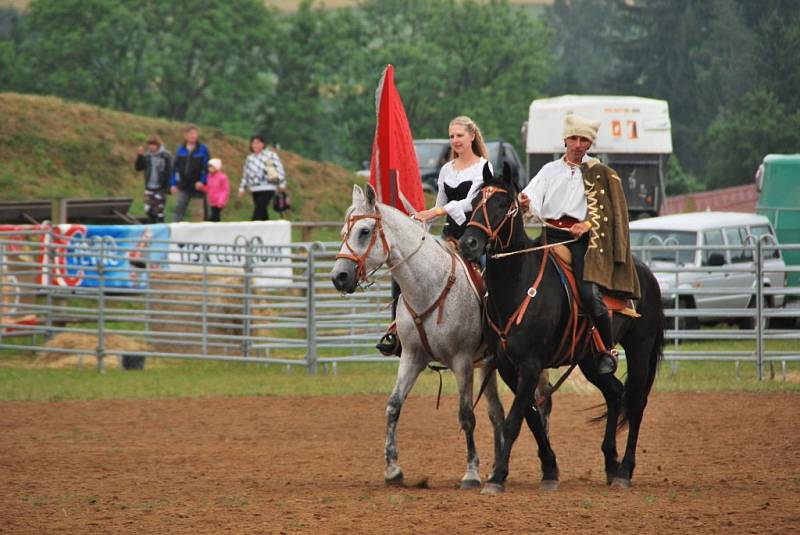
{"points": [[363, 233]]}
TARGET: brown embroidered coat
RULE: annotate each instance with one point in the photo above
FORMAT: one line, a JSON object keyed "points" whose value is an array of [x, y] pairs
{"points": [[608, 260]]}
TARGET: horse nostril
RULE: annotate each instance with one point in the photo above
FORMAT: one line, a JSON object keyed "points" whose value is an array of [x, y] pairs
{"points": [[342, 276], [471, 243]]}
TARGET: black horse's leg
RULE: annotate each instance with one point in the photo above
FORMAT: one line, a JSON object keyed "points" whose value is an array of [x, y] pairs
{"points": [[526, 379], [537, 423], [547, 457], [611, 388], [635, 400]]}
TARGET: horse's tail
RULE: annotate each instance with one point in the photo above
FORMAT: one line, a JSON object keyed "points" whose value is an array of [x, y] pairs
{"points": [[657, 351], [634, 397]]}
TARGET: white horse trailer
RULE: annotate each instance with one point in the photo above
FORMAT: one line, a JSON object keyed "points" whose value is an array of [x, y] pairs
{"points": [[634, 139]]}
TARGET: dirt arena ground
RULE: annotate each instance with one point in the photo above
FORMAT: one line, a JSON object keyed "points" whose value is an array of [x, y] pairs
{"points": [[707, 463]]}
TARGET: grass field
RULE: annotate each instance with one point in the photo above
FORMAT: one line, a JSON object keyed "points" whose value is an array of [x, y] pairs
{"points": [[169, 378]]}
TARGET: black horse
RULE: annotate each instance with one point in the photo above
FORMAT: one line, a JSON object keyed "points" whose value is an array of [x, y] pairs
{"points": [[530, 344]]}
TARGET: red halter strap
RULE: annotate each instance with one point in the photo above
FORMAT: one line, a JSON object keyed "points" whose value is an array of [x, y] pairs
{"points": [[360, 260], [493, 234]]}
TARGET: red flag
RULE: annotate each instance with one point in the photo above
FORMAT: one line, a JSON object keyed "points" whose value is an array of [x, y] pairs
{"points": [[394, 171]]}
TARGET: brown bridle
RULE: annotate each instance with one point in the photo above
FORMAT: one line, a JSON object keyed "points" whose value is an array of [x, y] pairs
{"points": [[493, 235], [360, 260]]}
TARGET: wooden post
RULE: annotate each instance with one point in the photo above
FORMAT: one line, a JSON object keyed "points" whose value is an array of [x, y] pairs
{"points": [[58, 211]]}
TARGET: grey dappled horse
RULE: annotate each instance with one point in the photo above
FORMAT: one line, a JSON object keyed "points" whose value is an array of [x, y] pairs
{"points": [[376, 234]]}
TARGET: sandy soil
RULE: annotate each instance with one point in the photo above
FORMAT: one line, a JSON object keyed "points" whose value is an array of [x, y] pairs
{"points": [[707, 463]]}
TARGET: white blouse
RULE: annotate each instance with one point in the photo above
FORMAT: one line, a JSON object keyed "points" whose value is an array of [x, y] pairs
{"points": [[455, 177], [557, 190]]}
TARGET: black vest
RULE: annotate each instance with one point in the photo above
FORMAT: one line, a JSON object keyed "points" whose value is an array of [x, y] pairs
{"points": [[451, 228]]}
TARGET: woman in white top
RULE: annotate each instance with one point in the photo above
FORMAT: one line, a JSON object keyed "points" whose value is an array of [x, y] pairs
{"points": [[460, 178], [262, 175], [459, 182]]}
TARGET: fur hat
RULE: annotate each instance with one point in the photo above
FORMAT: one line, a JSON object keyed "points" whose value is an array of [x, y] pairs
{"points": [[575, 125], [216, 163]]}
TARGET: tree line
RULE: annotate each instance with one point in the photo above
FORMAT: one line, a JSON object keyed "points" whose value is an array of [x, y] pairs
{"points": [[730, 69]]}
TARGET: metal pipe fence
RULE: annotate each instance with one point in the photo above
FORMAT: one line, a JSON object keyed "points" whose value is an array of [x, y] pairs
{"points": [[97, 301]]}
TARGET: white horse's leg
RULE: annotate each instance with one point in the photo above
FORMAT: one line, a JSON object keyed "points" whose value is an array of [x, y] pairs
{"points": [[410, 367], [494, 409], [462, 369]]}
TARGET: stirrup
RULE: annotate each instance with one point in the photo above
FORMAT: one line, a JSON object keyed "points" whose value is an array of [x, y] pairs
{"points": [[606, 361], [389, 344]]}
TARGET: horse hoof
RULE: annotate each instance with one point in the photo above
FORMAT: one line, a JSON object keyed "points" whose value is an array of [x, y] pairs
{"points": [[620, 483], [493, 489], [467, 484], [394, 478], [548, 484]]}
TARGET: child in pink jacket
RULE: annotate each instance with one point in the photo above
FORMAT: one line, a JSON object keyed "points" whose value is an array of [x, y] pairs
{"points": [[217, 189]]}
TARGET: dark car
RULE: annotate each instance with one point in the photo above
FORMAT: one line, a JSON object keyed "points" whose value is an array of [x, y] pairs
{"points": [[432, 154]]}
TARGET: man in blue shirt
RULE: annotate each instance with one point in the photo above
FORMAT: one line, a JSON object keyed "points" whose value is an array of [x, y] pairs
{"points": [[189, 173]]}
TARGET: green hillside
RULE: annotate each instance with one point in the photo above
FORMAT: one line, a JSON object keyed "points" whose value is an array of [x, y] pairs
{"points": [[286, 5], [53, 148]]}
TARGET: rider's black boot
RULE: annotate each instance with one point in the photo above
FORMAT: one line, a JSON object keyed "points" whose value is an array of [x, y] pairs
{"points": [[606, 361], [389, 343]]}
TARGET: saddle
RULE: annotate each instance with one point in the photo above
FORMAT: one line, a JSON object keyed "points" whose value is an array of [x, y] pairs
{"points": [[583, 335], [563, 256], [471, 268]]}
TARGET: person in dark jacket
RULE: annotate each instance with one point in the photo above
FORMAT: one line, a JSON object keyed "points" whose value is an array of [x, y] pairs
{"points": [[582, 204], [156, 164], [189, 173]]}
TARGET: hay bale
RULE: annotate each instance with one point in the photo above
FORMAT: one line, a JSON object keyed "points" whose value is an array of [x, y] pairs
{"points": [[115, 346]]}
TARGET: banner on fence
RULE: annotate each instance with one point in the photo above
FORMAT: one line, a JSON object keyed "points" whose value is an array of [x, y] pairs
{"points": [[69, 255], [18, 280], [125, 253], [228, 246]]}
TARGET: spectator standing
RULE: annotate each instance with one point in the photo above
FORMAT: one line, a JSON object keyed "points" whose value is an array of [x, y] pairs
{"points": [[156, 164], [189, 173], [263, 175], [216, 189]]}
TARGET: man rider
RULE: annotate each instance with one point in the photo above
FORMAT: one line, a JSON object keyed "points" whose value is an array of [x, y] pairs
{"points": [[581, 199]]}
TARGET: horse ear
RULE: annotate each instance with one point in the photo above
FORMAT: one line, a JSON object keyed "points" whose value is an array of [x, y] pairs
{"points": [[487, 172], [510, 175], [372, 196], [358, 195]]}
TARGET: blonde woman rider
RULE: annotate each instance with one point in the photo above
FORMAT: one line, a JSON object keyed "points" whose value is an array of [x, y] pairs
{"points": [[459, 181]]}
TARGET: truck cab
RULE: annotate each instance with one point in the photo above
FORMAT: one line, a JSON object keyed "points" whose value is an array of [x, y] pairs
{"points": [[778, 185], [634, 139]]}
